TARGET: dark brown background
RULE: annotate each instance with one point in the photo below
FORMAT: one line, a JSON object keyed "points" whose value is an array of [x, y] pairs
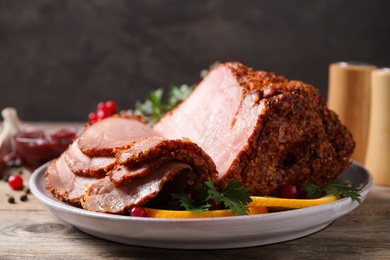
{"points": [[59, 58]]}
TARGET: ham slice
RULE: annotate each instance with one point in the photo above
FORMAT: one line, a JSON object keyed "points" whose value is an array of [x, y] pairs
{"points": [[64, 184], [106, 136], [148, 154], [82, 164], [104, 196]]}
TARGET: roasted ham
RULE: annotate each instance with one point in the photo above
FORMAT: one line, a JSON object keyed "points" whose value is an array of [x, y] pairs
{"points": [[238, 124], [261, 129]]}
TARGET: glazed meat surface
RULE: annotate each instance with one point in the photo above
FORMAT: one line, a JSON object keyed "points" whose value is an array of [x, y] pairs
{"points": [[262, 129]]}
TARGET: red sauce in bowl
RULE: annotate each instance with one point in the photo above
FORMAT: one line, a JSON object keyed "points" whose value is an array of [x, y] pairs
{"points": [[37, 147]]}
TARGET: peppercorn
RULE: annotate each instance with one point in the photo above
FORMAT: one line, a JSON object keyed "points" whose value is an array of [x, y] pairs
{"points": [[11, 200], [24, 197]]}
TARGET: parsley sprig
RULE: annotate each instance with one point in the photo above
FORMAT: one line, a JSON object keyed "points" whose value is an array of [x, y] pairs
{"points": [[335, 188], [157, 104], [232, 197]]}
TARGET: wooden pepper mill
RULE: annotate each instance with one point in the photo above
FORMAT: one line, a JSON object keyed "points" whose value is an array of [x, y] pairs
{"points": [[349, 97], [378, 149]]}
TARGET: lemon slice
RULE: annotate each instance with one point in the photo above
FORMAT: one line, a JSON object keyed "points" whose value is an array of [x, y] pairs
{"points": [[159, 213], [259, 205], [281, 203]]}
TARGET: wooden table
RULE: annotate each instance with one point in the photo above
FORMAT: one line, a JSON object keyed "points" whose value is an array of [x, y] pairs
{"points": [[28, 231]]}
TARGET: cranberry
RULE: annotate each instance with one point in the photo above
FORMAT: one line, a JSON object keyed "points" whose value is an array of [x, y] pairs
{"points": [[289, 191], [100, 105], [302, 194], [102, 114], [92, 117], [103, 110], [110, 106], [138, 211], [215, 206], [15, 182]]}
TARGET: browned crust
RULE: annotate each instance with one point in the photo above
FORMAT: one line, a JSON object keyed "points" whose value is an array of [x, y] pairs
{"points": [[60, 195], [297, 139], [182, 150]]}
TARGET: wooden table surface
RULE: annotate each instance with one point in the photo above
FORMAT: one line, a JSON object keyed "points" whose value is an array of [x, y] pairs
{"points": [[28, 231]]}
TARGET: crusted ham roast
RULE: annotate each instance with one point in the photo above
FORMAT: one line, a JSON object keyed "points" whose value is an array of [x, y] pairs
{"points": [[119, 162], [262, 129], [238, 124]]}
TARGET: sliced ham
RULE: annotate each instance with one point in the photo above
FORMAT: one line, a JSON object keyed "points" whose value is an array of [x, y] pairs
{"points": [[115, 174], [82, 164], [148, 154], [104, 196], [64, 184], [106, 136]]}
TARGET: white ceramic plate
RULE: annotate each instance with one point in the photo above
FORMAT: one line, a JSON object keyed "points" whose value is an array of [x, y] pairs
{"points": [[210, 233]]}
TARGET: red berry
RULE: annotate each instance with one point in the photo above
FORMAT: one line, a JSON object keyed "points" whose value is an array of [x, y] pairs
{"points": [[110, 107], [302, 194], [101, 114], [100, 105], [215, 206], [289, 191], [92, 117], [15, 182], [138, 211], [103, 110]]}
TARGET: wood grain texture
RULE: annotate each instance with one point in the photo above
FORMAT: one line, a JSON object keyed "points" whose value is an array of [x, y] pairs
{"points": [[28, 231]]}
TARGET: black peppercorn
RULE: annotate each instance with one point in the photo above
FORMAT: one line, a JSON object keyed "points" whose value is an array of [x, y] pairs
{"points": [[11, 200], [24, 197]]}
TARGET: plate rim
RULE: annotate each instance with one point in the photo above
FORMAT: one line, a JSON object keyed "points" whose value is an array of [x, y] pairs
{"points": [[52, 205]]}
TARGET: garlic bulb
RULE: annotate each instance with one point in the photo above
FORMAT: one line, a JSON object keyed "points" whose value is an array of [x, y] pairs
{"points": [[12, 125]]}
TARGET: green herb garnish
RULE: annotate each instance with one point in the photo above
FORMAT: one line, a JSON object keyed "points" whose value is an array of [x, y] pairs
{"points": [[232, 197], [156, 104], [335, 188], [200, 202]]}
